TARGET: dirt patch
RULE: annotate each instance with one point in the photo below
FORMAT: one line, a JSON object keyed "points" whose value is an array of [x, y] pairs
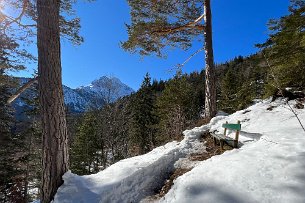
{"points": [[299, 103], [270, 108], [211, 150], [168, 184]]}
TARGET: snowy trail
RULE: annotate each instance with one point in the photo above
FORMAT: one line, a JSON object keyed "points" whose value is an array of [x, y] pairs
{"points": [[268, 170], [129, 180]]}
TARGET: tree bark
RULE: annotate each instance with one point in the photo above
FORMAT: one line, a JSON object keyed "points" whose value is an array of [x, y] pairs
{"points": [[55, 156], [210, 88]]}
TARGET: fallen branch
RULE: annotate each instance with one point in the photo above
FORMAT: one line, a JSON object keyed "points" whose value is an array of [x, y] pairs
{"points": [[22, 89]]}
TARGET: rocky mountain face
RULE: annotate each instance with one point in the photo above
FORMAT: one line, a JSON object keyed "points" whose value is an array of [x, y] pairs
{"points": [[100, 91], [110, 89]]}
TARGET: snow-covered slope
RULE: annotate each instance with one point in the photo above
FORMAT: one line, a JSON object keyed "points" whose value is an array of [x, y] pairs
{"points": [[80, 101], [269, 167]]}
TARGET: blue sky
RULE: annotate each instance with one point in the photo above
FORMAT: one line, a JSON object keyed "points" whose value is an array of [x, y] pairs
{"points": [[237, 26]]}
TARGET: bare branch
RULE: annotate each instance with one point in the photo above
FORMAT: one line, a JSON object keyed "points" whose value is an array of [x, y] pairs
{"points": [[179, 66], [199, 19], [22, 89], [191, 56]]}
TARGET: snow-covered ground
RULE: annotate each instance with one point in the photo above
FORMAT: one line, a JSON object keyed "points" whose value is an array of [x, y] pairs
{"points": [[269, 167], [129, 180]]}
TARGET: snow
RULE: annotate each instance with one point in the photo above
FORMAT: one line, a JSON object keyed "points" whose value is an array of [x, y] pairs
{"points": [[269, 167], [129, 180]]}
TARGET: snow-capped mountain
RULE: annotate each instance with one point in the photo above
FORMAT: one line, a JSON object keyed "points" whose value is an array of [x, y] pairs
{"points": [[84, 98], [108, 88], [77, 101]]}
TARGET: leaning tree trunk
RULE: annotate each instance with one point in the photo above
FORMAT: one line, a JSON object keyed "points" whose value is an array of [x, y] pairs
{"points": [[210, 88], [55, 157]]}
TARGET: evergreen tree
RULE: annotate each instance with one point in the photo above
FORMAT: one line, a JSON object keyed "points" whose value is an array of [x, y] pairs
{"points": [[30, 131], [285, 49], [173, 107], [241, 80], [229, 89], [175, 23], [196, 96], [101, 138], [143, 117], [7, 167], [50, 24], [86, 146]]}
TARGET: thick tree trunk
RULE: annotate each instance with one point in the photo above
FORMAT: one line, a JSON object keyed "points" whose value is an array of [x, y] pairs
{"points": [[210, 88], [55, 139]]}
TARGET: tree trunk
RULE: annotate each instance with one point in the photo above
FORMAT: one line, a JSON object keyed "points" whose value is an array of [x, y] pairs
{"points": [[55, 156], [210, 88]]}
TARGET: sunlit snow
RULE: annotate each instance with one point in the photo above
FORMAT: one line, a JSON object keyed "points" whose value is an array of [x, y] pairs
{"points": [[269, 167]]}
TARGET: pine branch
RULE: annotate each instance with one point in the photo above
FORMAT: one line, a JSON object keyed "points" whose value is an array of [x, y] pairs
{"points": [[190, 25]]}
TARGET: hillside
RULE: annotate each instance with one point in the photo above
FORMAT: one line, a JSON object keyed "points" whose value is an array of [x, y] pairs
{"points": [[267, 168]]}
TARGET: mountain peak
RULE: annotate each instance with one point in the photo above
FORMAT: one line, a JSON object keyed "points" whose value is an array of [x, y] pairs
{"points": [[95, 95], [105, 80], [109, 88]]}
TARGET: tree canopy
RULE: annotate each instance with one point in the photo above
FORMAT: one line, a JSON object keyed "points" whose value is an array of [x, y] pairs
{"points": [[156, 24], [285, 48]]}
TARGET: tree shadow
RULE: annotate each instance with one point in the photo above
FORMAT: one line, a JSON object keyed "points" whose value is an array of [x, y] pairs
{"points": [[295, 185], [213, 193]]}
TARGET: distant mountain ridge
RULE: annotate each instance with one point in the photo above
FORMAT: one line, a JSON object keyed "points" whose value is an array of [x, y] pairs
{"points": [[100, 91]]}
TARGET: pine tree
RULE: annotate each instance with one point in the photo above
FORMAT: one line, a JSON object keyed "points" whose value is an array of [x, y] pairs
{"points": [[86, 146], [229, 89], [11, 188], [175, 23], [50, 24], [101, 138], [285, 49], [241, 80], [143, 117], [173, 105], [30, 131]]}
